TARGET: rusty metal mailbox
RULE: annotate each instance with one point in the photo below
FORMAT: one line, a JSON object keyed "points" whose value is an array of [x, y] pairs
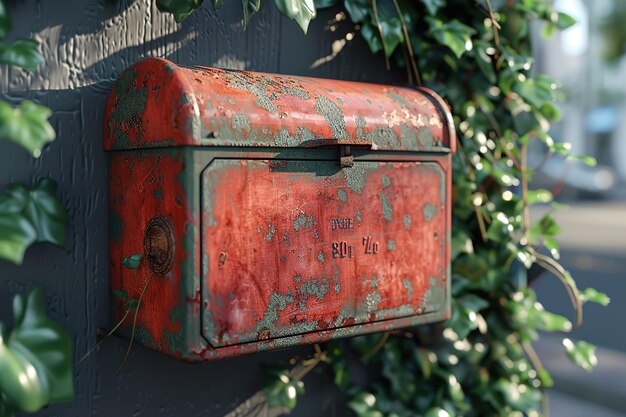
{"points": [[272, 210]]}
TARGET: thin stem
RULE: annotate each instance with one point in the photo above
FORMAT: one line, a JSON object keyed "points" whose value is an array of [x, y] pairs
{"points": [[536, 362], [409, 47], [494, 23], [553, 266], [132, 335], [380, 32], [379, 345], [119, 323], [524, 180]]}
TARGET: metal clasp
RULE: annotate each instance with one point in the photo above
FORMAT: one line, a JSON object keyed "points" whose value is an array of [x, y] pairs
{"points": [[346, 159]]}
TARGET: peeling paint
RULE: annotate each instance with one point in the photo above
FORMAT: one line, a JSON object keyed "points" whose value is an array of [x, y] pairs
{"points": [[270, 233], [391, 244], [430, 211], [342, 195], [333, 115], [407, 221], [241, 122], [408, 285], [434, 297], [386, 206]]}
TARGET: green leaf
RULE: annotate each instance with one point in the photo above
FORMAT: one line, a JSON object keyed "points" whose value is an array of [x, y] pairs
{"points": [[132, 262], [551, 322], [323, 4], [453, 34], [22, 53], [392, 34], [26, 125], [250, 7], [28, 216], [371, 36], [433, 6], [358, 10], [121, 295], [302, 11], [564, 21], [282, 391], [539, 196], [581, 353], [16, 235], [179, 8], [35, 358], [535, 93], [5, 21], [595, 296], [363, 405], [545, 378], [484, 61]]}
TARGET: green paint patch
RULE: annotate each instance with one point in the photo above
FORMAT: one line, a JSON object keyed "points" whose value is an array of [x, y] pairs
{"points": [[299, 222], [374, 281], [343, 196], [408, 285], [407, 221], [241, 122], [425, 138], [355, 177], [408, 137], [270, 232], [320, 257], [434, 297], [391, 244], [333, 115], [429, 211], [360, 126], [397, 98], [358, 216], [385, 180], [386, 207]]}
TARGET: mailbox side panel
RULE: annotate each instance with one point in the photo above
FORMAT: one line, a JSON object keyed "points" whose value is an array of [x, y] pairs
{"points": [[153, 277]]}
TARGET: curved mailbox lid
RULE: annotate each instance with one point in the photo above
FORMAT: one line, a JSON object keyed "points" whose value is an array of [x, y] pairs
{"points": [[156, 103]]}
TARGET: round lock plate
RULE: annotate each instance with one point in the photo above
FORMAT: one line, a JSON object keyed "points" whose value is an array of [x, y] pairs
{"points": [[159, 246]]}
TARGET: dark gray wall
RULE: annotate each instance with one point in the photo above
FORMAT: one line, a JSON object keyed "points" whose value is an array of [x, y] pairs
{"points": [[86, 44]]}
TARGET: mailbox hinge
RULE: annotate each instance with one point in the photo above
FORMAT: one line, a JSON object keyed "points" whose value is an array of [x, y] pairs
{"points": [[346, 159]]}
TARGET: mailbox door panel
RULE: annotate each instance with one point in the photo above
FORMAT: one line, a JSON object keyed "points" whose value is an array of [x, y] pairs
{"points": [[294, 247]]}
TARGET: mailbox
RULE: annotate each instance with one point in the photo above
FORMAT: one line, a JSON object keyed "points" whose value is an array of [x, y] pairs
{"points": [[269, 211]]}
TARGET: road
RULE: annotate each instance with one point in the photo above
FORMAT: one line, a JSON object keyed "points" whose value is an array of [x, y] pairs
{"points": [[593, 249]]}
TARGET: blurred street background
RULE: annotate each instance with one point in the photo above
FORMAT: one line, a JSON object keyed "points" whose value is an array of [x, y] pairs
{"points": [[589, 60]]}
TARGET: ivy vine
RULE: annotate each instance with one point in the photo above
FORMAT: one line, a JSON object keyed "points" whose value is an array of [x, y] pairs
{"points": [[35, 356], [477, 55]]}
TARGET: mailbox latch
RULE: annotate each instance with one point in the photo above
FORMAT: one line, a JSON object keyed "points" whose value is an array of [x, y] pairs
{"points": [[346, 159]]}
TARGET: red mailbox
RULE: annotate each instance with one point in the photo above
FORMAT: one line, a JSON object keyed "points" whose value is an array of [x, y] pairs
{"points": [[270, 210]]}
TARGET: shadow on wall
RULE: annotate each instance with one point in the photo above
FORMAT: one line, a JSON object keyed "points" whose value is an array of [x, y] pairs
{"points": [[87, 43]]}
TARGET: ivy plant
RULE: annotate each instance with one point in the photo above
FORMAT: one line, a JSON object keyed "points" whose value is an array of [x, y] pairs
{"points": [[35, 359], [26, 124], [35, 356], [302, 11], [477, 55]]}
